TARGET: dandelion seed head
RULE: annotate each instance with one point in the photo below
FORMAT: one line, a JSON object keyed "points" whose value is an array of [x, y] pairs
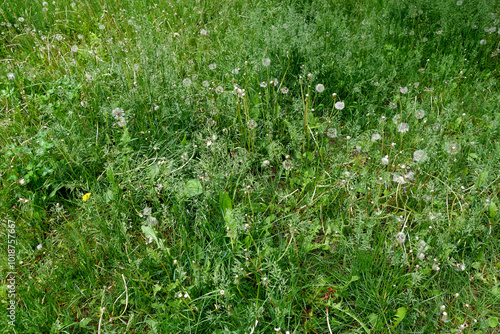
{"points": [[403, 90], [419, 155], [122, 122], [320, 88], [376, 137], [219, 90], [339, 105], [385, 160], [11, 76], [331, 133], [419, 114], [287, 164], [187, 82], [74, 48], [212, 66], [401, 237], [403, 127], [452, 148], [252, 124]]}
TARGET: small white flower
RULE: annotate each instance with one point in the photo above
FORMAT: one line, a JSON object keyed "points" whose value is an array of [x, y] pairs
{"points": [[445, 317], [263, 84], [385, 160], [21, 181], [222, 292], [436, 268], [339, 105], [212, 66], [146, 211], [396, 119], [416, 84], [203, 32], [376, 137], [219, 90], [284, 90], [39, 247], [208, 142], [101, 27], [265, 163], [459, 3], [186, 295], [482, 42], [149, 240], [320, 88], [421, 256], [393, 105], [236, 71], [74, 49], [403, 90], [206, 83], [266, 62], [442, 308], [176, 34], [11, 76], [20, 19]]}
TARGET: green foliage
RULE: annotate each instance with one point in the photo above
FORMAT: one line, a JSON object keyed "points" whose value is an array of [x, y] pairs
{"points": [[254, 166]]}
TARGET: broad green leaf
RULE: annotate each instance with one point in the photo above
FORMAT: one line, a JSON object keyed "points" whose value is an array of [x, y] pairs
{"points": [[493, 322], [493, 210], [225, 201], [400, 315], [193, 188]]}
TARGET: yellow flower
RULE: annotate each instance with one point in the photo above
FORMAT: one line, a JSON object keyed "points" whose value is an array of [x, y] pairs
{"points": [[86, 197]]}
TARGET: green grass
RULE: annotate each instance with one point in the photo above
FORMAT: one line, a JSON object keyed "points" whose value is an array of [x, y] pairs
{"points": [[270, 210]]}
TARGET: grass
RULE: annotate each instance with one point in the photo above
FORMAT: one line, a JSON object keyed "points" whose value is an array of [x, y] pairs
{"points": [[174, 167]]}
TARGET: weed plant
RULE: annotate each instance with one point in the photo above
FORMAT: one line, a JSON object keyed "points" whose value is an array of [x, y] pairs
{"points": [[251, 166]]}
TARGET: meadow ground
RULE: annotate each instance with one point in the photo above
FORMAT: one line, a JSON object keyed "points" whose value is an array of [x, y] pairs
{"points": [[255, 166]]}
